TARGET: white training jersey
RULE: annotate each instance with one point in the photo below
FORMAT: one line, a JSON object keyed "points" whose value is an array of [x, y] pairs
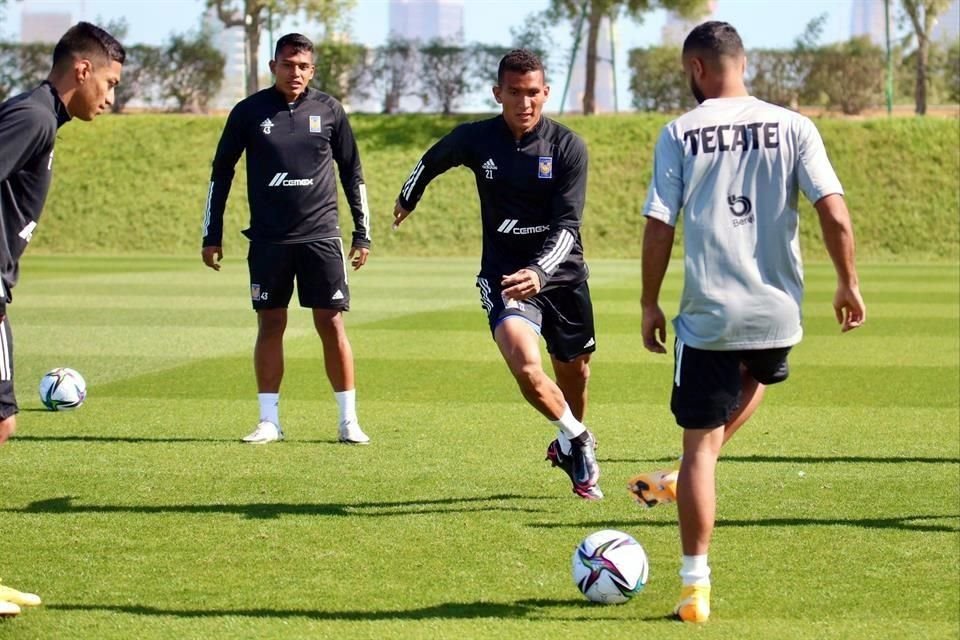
{"points": [[734, 166]]}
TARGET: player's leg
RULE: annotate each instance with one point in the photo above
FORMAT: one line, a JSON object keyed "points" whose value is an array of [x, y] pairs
{"points": [[271, 285], [515, 328], [322, 285], [8, 400], [568, 330], [751, 396], [572, 378]]}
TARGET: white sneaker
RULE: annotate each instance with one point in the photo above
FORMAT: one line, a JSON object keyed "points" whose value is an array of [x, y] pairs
{"points": [[351, 433], [264, 433], [8, 609]]}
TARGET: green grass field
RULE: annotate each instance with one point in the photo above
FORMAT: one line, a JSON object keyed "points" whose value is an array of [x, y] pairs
{"points": [[141, 516]]}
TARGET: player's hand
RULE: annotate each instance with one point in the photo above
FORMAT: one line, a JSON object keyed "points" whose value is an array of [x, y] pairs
{"points": [[212, 257], [849, 307], [358, 256], [399, 215], [521, 285], [654, 329]]}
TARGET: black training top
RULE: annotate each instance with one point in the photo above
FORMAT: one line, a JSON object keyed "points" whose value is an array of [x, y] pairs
{"points": [[291, 186], [531, 195], [28, 131]]}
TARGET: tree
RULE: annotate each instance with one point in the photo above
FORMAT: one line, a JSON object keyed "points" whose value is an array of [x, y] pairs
{"points": [[849, 74], [143, 74], [953, 72], [594, 11], [340, 69], [393, 72], [194, 71], [443, 79], [923, 15], [253, 15], [655, 83]]}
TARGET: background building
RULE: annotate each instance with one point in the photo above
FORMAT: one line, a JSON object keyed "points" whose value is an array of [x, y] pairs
{"points": [[947, 28], [867, 19], [676, 27], [604, 95], [427, 20], [229, 42], [43, 26]]}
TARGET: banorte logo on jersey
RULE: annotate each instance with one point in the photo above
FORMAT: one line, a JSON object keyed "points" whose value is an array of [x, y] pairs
{"points": [[281, 180]]}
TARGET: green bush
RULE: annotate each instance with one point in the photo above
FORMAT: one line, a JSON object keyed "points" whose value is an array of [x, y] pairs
{"points": [[138, 184]]}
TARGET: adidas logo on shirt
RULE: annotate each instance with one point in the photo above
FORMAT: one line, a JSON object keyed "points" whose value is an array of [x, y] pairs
{"points": [[338, 295], [266, 125], [489, 165]]}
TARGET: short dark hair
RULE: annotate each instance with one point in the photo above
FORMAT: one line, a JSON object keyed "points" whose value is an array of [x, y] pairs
{"points": [[88, 40], [714, 39], [519, 61], [297, 41]]}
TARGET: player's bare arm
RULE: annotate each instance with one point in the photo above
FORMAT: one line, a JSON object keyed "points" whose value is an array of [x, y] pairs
{"points": [[399, 215], [358, 256], [657, 245], [212, 257], [838, 238], [521, 284]]}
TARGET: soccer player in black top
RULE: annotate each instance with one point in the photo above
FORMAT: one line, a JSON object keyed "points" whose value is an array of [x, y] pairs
{"points": [[292, 135], [531, 176], [86, 67]]}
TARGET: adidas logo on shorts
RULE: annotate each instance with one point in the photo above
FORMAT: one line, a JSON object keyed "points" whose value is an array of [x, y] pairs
{"points": [[338, 295]]}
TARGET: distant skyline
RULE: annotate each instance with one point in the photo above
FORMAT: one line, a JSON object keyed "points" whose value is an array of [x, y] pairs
{"points": [[761, 23]]}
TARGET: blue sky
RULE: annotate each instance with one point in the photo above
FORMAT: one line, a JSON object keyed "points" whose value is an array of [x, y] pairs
{"points": [[762, 23]]}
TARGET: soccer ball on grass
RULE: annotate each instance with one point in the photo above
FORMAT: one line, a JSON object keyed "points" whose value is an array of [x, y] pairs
{"points": [[610, 567], [62, 389]]}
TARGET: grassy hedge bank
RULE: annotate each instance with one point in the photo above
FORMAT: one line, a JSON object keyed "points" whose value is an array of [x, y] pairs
{"points": [[138, 183]]}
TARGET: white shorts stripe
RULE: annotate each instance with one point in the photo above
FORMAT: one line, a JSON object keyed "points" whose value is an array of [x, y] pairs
{"points": [[678, 354], [4, 353], [485, 294]]}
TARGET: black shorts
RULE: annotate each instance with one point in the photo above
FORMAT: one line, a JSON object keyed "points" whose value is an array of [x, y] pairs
{"points": [[707, 384], [563, 316], [8, 401], [319, 268]]}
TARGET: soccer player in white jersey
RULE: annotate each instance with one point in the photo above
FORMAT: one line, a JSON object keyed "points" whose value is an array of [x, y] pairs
{"points": [[734, 167]]}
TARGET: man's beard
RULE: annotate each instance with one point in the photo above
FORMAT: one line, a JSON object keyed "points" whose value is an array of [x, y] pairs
{"points": [[695, 90]]}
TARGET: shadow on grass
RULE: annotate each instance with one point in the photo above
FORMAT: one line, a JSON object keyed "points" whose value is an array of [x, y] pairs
{"points": [[452, 610], [801, 459], [271, 510], [904, 523], [114, 439]]}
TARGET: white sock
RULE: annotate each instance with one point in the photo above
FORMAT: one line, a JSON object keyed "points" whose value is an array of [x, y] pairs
{"points": [[568, 425], [347, 403], [269, 407], [694, 570], [565, 445]]}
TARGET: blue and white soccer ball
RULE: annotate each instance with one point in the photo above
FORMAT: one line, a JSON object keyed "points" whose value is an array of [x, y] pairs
{"points": [[610, 567], [62, 389]]}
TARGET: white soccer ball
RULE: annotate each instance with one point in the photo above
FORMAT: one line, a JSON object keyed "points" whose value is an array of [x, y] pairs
{"points": [[62, 389], [610, 567]]}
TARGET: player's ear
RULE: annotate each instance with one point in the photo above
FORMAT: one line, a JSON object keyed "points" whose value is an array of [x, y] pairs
{"points": [[496, 94], [546, 91], [83, 69], [273, 67]]}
